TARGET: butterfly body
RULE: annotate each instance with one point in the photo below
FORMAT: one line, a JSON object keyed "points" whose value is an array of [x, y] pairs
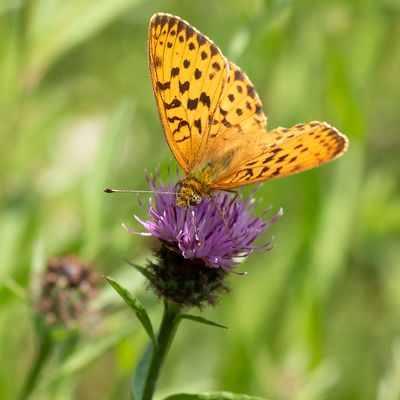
{"points": [[200, 182], [191, 192], [213, 120]]}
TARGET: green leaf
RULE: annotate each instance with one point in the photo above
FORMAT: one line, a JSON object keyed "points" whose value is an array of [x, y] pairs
{"points": [[212, 396], [140, 374], [136, 306], [202, 320]]}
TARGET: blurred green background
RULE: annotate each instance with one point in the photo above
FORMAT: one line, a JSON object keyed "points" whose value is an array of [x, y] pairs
{"points": [[316, 318]]}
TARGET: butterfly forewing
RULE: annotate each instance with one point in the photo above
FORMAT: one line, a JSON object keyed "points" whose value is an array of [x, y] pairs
{"points": [[188, 75]]}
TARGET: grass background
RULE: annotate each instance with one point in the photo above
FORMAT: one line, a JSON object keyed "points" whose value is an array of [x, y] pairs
{"points": [[318, 317]]}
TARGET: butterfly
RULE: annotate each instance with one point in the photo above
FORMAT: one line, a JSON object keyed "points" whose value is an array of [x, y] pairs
{"points": [[213, 120]]}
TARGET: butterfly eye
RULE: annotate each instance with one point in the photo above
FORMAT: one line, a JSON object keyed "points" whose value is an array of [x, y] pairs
{"points": [[195, 199]]}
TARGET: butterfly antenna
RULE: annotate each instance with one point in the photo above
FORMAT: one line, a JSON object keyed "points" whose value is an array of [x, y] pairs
{"points": [[109, 190]]}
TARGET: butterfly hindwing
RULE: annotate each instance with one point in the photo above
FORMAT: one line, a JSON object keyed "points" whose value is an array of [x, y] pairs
{"points": [[295, 149], [240, 108]]}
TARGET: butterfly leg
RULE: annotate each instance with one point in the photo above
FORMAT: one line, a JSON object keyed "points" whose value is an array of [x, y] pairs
{"points": [[236, 194], [222, 216]]}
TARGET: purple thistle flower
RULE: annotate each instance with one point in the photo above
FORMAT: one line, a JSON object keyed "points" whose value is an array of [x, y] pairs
{"points": [[201, 244], [201, 232]]}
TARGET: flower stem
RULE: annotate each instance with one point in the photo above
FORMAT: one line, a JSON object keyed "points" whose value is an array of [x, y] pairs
{"points": [[46, 346], [169, 325]]}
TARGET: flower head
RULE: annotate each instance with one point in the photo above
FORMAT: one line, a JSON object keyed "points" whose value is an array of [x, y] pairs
{"points": [[209, 239], [66, 288]]}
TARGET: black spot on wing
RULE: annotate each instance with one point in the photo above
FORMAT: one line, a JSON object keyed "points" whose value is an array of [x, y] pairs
{"points": [[180, 26], [248, 174], [226, 123], [222, 111], [183, 139], [174, 72], [277, 171], [262, 172], [163, 86], [157, 62], [205, 99], [282, 158], [197, 124], [180, 125], [163, 21], [214, 50], [201, 40], [268, 159], [251, 91], [192, 103], [216, 66], [189, 32], [173, 104], [171, 23], [183, 87], [239, 75], [174, 118]]}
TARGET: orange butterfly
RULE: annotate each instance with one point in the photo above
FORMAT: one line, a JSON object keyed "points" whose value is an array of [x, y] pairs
{"points": [[213, 120]]}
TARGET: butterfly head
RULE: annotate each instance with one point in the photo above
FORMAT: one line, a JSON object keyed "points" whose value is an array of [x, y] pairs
{"points": [[189, 194]]}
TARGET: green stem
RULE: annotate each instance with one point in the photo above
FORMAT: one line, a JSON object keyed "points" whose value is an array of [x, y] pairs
{"points": [[168, 327], [44, 351]]}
